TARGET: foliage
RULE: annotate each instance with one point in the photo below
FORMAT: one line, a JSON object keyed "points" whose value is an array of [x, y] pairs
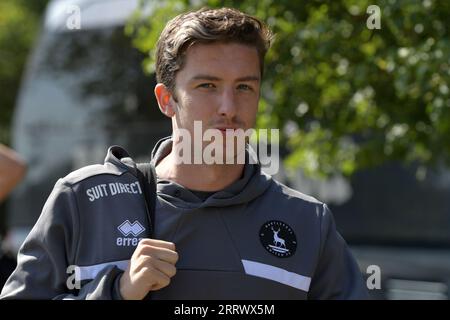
{"points": [[19, 23], [345, 97]]}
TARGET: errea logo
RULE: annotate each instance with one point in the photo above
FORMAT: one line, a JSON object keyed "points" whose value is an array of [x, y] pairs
{"points": [[126, 228], [135, 228]]}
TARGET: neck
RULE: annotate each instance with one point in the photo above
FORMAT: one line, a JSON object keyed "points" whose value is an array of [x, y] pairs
{"points": [[200, 177]]}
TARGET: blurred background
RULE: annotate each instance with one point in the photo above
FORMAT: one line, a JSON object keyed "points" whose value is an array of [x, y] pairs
{"points": [[361, 97]]}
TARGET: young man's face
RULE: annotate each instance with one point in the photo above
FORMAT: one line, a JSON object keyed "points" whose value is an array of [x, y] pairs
{"points": [[218, 85]]}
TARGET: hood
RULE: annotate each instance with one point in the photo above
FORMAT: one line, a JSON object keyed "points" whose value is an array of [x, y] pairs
{"points": [[251, 185]]}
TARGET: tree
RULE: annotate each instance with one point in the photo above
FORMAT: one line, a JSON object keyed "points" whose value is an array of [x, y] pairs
{"points": [[346, 97]]}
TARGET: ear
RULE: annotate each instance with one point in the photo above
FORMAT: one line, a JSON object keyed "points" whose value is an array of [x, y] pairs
{"points": [[165, 100]]}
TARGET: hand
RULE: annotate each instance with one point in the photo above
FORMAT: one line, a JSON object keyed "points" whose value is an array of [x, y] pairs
{"points": [[150, 268]]}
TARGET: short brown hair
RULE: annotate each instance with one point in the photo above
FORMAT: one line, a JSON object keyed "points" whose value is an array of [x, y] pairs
{"points": [[207, 26]]}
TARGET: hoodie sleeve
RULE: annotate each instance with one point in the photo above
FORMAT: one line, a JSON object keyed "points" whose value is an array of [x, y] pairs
{"points": [[337, 274], [43, 259]]}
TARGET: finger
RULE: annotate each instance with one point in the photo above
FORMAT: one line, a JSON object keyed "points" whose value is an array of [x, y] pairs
{"points": [[158, 243], [167, 268], [160, 253], [156, 278]]}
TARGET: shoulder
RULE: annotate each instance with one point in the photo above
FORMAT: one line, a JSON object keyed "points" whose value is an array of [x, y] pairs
{"points": [[286, 193], [296, 202], [91, 171]]}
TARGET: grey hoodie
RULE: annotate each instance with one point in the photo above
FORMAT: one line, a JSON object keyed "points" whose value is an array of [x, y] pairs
{"points": [[256, 239]]}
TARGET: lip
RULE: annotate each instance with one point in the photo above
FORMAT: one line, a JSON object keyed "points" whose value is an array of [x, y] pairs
{"points": [[224, 129]]}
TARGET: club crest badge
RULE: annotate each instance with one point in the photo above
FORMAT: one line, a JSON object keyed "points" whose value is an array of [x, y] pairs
{"points": [[278, 238]]}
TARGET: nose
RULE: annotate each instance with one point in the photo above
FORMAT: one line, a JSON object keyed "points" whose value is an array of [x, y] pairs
{"points": [[227, 104]]}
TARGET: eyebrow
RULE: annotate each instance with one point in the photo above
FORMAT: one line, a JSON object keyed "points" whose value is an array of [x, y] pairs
{"points": [[212, 78]]}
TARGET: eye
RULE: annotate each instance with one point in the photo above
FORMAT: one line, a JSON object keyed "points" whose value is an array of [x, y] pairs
{"points": [[206, 86], [244, 87]]}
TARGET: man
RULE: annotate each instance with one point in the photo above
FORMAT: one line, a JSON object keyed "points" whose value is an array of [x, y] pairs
{"points": [[222, 230], [12, 170]]}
